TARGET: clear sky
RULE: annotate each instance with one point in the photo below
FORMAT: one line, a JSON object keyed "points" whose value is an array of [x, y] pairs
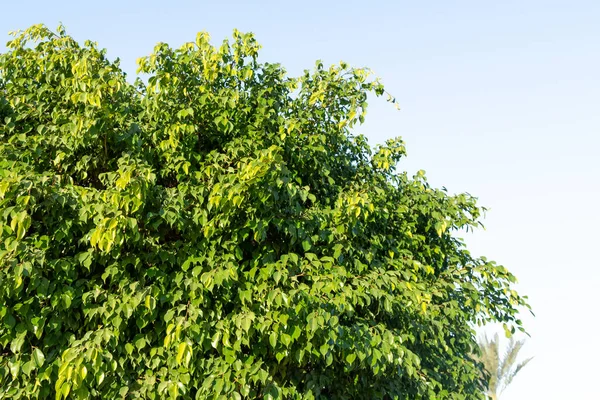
{"points": [[500, 99]]}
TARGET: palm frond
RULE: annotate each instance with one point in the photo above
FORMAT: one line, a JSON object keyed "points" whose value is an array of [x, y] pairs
{"points": [[519, 366], [499, 369]]}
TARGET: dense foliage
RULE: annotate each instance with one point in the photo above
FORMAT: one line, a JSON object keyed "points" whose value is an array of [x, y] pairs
{"points": [[218, 232]]}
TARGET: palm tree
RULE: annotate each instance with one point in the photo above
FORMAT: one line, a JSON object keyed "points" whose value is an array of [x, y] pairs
{"points": [[499, 370]]}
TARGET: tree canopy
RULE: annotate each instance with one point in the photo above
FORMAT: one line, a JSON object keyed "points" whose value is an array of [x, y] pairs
{"points": [[219, 230]]}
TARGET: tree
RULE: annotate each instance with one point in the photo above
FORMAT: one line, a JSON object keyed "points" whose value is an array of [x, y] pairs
{"points": [[500, 370], [219, 231]]}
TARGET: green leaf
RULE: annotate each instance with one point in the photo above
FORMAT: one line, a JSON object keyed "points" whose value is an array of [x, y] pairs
{"points": [[83, 372], [218, 386], [313, 323], [17, 342], [180, 352], [279, 356], [216, 340], [140, 343], [14, 368], [100, 377], [350, 358], [38, 357], [306, 245], [66, 300], [262, 376], [246, 323], [324, 349], [294, 257], [27, 367], [169, 315], [64, 390]]}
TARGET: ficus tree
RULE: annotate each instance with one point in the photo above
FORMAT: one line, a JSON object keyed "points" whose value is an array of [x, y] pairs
{"points": [[218, 230]]}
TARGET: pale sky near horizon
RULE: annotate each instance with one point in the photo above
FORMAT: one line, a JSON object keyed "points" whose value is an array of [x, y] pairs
{"points": [[499, 99]]}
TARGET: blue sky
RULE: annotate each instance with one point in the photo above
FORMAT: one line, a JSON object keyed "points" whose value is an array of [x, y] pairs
{"points": [[500, 99]]}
